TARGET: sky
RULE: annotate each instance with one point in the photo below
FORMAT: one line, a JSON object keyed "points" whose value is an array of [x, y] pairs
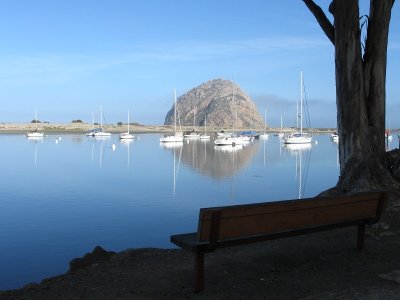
{"points": [[69, 58]]}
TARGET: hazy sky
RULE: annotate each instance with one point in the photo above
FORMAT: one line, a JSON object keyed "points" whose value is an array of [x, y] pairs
{"points": [[68, 58]]}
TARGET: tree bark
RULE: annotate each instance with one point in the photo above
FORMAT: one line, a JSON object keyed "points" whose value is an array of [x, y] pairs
{"points": [[360, 93]]}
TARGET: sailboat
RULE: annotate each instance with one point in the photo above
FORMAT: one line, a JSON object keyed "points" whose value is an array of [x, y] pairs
{"points": [[94, 129], [388, 135], [192, 135], [299, 137], [205, 136], [335, 136], [100, 132], [281, 134], [126, 135], [177, 136], [233, 139], [264, 135], [35, 134]]}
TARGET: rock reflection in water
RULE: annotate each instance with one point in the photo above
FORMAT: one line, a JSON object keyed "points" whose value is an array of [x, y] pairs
{"points": [[217, 161]]}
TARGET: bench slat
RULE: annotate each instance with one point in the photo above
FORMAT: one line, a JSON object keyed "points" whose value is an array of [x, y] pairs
{"points": [[276, 206], [189, 241], [244, 220]]}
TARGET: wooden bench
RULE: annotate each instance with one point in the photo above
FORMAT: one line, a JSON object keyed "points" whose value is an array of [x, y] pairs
{"points": [[241, 224]]}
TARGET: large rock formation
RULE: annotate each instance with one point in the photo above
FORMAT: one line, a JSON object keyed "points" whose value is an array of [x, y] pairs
{"points": [[224, 103]]}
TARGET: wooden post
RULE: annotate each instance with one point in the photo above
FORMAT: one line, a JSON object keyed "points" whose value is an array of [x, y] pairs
{"points": [[199, 272], [360, 236]]}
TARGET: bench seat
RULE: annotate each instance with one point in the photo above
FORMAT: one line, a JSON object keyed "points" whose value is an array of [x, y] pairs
{"points": [[234, 225]]}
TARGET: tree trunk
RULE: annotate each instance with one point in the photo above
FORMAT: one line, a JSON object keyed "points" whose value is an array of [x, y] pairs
{"points": [[360, 92]]}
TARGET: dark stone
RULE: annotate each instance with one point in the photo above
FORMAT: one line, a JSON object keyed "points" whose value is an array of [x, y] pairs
{"points": [[98, 255]]}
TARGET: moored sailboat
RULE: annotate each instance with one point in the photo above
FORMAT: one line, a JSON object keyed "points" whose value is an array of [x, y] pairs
{"points": [[264, 135], [281, 133], [126, 135], [205, 136], [36, 133], [335, 136], [100, 131], [232, 139], [299, 137], [192, 135], [178, 135]]}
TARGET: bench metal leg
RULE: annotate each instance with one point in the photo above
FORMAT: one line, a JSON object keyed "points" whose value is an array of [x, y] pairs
{"points": [[198, 272], [360, 236]]}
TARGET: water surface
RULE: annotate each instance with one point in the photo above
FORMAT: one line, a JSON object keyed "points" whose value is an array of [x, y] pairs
{"points": [[65, 194]]}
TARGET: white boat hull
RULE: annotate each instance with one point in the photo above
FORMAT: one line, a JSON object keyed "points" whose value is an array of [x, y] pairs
{"points": [[171, 139], [126, 136], [192, 136], [233, 141], [101, 134], [224, 134], [205, 137], [298, 139], [297, 147], [35, 134]]}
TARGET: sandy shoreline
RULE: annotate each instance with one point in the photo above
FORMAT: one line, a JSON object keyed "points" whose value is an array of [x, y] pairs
{"points": [[76, 128], [83, 127]]}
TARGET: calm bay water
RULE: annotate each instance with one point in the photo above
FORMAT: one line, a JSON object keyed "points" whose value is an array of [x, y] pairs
{"points": [[65, 194]]}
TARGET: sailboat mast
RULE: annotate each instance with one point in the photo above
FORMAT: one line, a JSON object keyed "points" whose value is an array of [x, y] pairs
{"points": [[301, 102], [236, 120], [194, 117], [175, 111], [297, 114], [300, 171], [36, 120], [101, 116], [233, 105], [128, 121], [265, 119]]}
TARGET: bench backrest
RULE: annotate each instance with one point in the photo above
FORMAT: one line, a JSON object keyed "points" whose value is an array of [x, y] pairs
{"points": [[219, 223]]}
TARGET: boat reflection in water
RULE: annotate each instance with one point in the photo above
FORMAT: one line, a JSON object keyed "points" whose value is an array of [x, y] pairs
{"points": [[216, 161], [302, 153], [229, 148], [101, 142], [35, 140], [127, 142], [176, 147], [171, 145], [297, 147]]}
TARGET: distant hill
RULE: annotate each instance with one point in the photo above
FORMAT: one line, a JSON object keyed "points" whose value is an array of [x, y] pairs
{"points": [[221, 100]]}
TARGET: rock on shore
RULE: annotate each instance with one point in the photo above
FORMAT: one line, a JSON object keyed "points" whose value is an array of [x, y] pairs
{"points": [[222, 101]]}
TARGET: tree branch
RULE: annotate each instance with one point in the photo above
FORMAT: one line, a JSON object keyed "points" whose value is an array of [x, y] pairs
{"points": [[322, 20]]}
